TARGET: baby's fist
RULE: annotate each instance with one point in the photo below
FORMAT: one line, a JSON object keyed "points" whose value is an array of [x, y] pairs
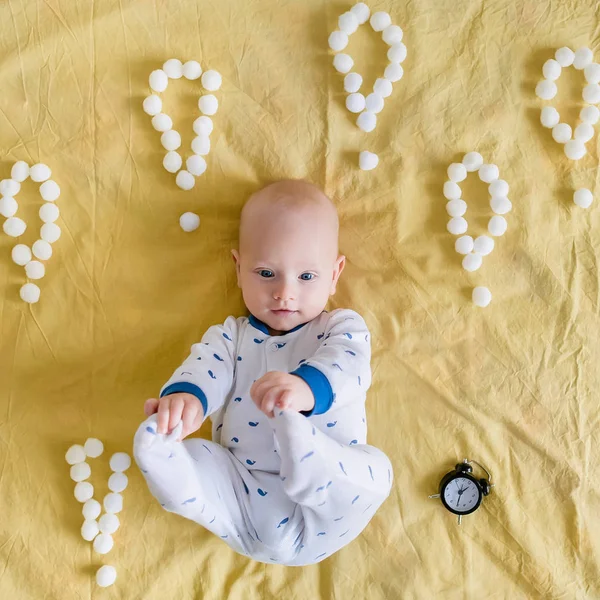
{"points": [[281, 390], [174, 408]]}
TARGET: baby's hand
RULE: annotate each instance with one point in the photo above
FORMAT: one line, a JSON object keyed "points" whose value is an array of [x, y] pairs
{"points": [[281, 390], [174, 408]]}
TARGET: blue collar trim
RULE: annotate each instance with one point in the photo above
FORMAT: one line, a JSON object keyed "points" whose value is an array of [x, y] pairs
{"points": [[258, 324]]}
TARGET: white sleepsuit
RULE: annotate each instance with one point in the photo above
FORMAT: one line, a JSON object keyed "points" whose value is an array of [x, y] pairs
{"points": [[293, 489]]}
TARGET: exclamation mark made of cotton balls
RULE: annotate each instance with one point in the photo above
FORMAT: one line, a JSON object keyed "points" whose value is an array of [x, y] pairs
{"points": [[367, 108]]}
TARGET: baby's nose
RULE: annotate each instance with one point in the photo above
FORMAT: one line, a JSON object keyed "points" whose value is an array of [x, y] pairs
{"points": [[284, 292]]}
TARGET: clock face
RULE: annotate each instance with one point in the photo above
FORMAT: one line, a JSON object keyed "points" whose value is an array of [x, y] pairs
{"points": [[461, 495]]}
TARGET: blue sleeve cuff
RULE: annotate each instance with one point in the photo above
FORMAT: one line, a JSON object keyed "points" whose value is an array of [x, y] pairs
{"points": [[320, 386], [184, 387]]}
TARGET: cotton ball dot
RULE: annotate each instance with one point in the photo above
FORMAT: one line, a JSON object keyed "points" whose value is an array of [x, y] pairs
{"points": [[367, 160], [89, 530], [500, 205], [158, 80], [91, 509], [208, 105], [383, 87], [488, 173], [481, 296], [203, 125], [464, 244], [546, 90], [162, 122], [352, 82], [583, 57], [380, 20], [562, 133], [211, 80], [457, 172], [41, 250], [472, 161], [120, 461], [366, 121], [19, 171], [456, 208], [21, 255], [152, 105], [575, 149], [374, 103], [14, 227], [392, 34], [361, 11], [196, 165], [342, 63], [472, 262], [185, 180], [355, 102], [591, 93], [189, 221], [8, 206], [348, 23], [75, 454], [173, 68], [590, 114], [93, 447], [338, 40], [113, 503], [49, 212], [393, 72], [201, 145], [172, 161], [483, 245], [192, 70], [30, 293], [103, 543], [551, 70], [457, 226], [583, 198], [9, 187], [35, 269], [584, 132], [397, 53], [452, 190], [80, 471], [84, 491], [564, 56], [40, 172], [108, 523], [117, 482], [50, 232], [50, 191], [498, 188], [497, 226], [549, 117], [591, 72], [106, 576]]}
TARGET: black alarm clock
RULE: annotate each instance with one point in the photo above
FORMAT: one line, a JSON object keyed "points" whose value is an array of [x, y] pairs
{"points": [[460, 492]]}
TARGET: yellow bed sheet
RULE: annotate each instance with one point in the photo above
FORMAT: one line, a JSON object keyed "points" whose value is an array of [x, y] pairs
{"points": [[514, 386]]}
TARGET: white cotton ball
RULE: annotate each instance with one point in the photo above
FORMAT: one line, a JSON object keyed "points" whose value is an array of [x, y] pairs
{"points": [[91, 509], [472, 161], [172, 162], [498, 188], [590, 114], [575, 149], [366, 121], [211, 80], [158, 80], [49, 190], [583, 198], [392, 34], [367, 160], [21, 255], [40, 172], [397, 53], [456, 208], [591, 72], [361, 11], [546, 89], [374, 103], [42, 250], [464, 244], [483, 245], [208, 105], [80, 471], [49, 212], [500, 205], [173, 68], [185, 180], [472, 262], [170, 140], [19, 171], [201, 145], [352, 82], [562, 133], [348, 23], [89, 530], [342, 63], [120, 461], [457, 172], [9, 187], [452, 190], [203, 125], [84, 491], [338, 40], [75, 454], [103, 543], [564, 56], [488, 173], [583, 57], [50, 232], [457, 225], [35, 269], [549, 117], [497, 226], [117, 482], [192, 70], [14, 226], [584, 132], [93, 447], [481, 296], [393, 72], [355, 103], [113, 503], [152, 105], [108, 523], [551, 70], [106, 576], [196, 165], [162, 122], [380, 20], [189, 221], [591, 93], [383, 87], [8, 206], [30, 293]]}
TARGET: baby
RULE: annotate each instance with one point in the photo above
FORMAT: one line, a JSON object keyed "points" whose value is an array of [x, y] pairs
{"points": [[288, 477]]}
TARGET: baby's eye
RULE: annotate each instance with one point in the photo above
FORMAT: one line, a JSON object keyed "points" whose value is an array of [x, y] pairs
{"points": [[307, 276], [266, 273]]}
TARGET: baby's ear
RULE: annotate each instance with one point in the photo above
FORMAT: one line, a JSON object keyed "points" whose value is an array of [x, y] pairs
{"points": [[236, 259], [340, 263]]}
